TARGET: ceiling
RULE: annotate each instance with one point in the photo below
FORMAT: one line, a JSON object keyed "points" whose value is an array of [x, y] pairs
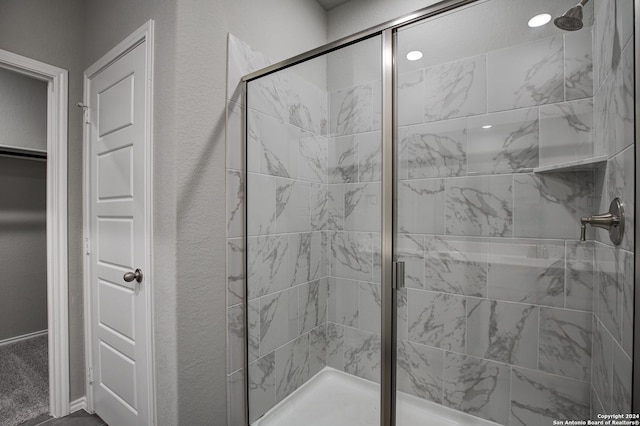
{"points": [[330, 4]]}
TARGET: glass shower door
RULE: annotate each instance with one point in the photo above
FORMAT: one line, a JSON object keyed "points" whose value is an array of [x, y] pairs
{"points": [[313, 239], [507, 135]]}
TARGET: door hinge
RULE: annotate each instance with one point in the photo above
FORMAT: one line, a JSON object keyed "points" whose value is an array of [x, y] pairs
{"points": [[87, 246], [90, 376], [85, 112]]}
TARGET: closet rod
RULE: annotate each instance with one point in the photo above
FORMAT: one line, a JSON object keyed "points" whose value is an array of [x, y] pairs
{"points": [[22, 153]]}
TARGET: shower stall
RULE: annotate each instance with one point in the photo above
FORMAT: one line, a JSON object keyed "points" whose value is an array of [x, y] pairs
{"points": [[406, 222]]}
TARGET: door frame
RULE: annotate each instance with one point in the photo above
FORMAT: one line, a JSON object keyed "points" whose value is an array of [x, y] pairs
{"points": [[143, 34], [57, 233]]}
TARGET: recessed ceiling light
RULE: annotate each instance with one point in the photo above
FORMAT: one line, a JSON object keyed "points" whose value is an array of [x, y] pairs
{"points": [[487, 126], [539, 20], [414, 55]]}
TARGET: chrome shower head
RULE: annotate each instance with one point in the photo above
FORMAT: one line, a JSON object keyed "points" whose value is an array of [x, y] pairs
{"points": [[572, 18]]}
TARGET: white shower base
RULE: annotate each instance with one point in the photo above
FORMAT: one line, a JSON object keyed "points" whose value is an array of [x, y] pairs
{"points": [[334, 398]]}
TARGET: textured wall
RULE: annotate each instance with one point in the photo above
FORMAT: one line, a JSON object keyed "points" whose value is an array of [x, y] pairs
{"points": [[52, 33]]}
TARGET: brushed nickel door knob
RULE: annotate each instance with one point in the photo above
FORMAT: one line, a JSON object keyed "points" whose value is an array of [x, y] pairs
{"points": [[130, 276]]}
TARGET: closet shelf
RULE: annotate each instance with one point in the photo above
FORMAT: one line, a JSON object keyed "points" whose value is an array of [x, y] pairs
{"points": [[27, 153], [573, 166]]}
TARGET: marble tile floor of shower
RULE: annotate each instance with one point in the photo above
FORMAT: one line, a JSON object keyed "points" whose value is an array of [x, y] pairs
{"points": [[334, 398]]}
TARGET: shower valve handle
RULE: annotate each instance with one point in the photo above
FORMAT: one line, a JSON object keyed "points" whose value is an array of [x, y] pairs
{"points": [[612, 221]]}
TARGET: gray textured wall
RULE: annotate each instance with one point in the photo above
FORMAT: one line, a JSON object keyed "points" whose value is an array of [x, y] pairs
{"points": [[23, 246], [51, 32], [23, 111]]}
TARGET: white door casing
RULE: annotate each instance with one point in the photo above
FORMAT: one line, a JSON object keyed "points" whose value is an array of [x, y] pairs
{"points": [[57, 231], [118, 232]]}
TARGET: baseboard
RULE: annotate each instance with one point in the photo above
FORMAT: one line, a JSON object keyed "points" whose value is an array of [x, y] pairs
{"points": [[78, 404], [23, 337]]}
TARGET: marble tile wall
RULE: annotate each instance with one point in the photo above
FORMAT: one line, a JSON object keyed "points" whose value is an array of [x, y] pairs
{"points": [[614, 279], [506, 315], [287, 265]]}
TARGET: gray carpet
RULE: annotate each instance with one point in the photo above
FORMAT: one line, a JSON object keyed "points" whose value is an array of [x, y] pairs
{"points": [[24, 380]]}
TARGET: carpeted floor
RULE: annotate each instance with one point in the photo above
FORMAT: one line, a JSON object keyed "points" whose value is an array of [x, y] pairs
{"points": [[24, 380]]}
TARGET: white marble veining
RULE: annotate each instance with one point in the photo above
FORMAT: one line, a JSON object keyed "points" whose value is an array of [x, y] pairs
{"points": [[278, 319], [578, 64], [317, 349], [369, 307], [509, 145], [480, 206], [351, 110], [602, 370], [433, 150], [363, 207], [502, 331], [566, 132], [527, 272], [579, 275], [410, 97], [362, 354], [369, 157], [343, 301], [262, 386], [235, 271], [312, 157], [235, 203], [526, 75], [610, 270], [351, 255], [343, 159], [419, 370], [319, 198], [458, 267], [420, 206], [261, 201], [235, 338], [455, 89], [621, 183], [293, 209], [538, 398], [565, 343], [312, 305], [437, 319], [335, 345], [305, 259], [292, 366], [242, 60], [268, 264], [613, 29], [477, 386], [614, 118], [335, 207], [549, 205], [622, 381]]}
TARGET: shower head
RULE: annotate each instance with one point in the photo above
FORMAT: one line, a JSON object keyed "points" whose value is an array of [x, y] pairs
{"points": [[572, 18]]}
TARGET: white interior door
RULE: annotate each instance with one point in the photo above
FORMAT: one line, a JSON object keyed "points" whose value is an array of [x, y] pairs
{"points": [[119, 240]]}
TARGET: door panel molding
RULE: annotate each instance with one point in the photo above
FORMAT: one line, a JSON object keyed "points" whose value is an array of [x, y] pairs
{"points": [[144, 34], [57, 232]]}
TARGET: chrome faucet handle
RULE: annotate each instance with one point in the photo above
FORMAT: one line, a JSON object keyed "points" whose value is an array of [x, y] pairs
{"points": [[613, 221]]}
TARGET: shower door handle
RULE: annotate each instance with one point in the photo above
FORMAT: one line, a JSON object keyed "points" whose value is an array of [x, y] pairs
{"points": [[398, 275]]}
